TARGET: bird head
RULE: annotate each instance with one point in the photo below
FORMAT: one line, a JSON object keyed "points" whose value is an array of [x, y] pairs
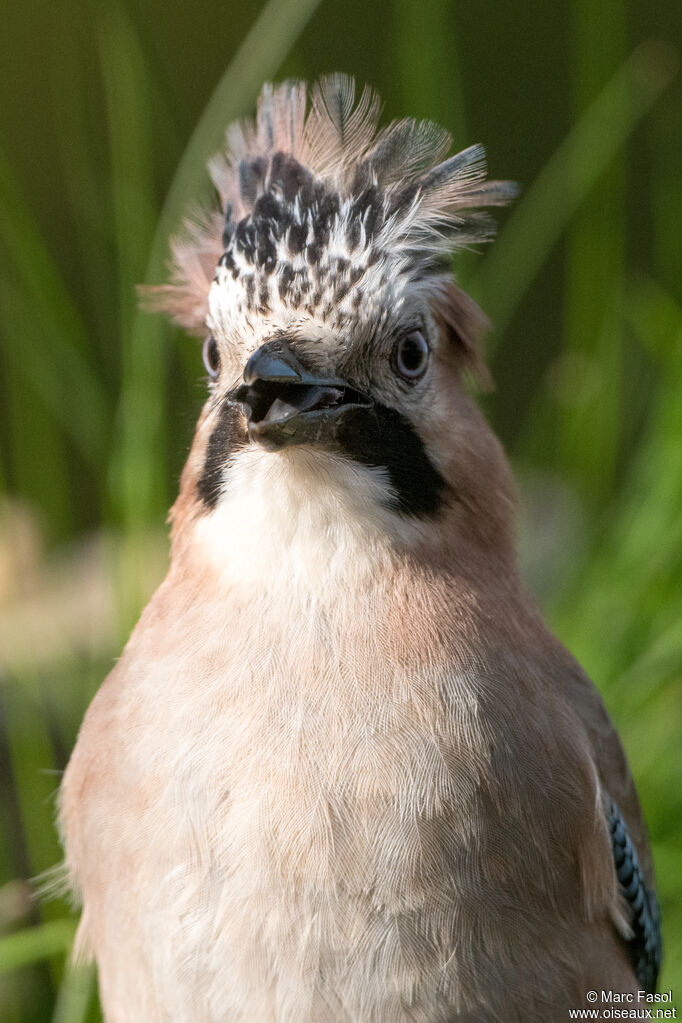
{"points": [[337, 344]]}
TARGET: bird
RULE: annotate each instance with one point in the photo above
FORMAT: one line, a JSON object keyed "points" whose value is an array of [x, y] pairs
{"points": [[343, 771]]}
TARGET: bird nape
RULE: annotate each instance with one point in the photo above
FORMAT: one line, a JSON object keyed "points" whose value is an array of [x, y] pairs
{"points": [[342, 770]]}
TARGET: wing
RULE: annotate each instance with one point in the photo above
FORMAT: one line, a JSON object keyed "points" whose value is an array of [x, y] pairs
{"points": [[629, 838], [645, 945]]}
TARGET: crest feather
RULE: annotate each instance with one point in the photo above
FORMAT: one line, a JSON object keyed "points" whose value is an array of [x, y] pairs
{"points": [[332, 156], [406, 148], [337, 133]]}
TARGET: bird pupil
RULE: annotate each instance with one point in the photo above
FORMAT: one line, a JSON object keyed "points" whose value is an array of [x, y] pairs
{"points": [[412, 354], [211, 356]]}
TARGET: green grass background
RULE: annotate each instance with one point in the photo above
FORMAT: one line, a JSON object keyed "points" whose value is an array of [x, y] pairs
{"points": [[107, 114]]}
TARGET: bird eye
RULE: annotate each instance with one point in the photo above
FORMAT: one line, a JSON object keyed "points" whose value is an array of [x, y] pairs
{"points": [[211, 357], [412, 355]]}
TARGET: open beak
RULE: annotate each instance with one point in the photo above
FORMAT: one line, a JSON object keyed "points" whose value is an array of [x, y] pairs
{"points": [[285, 404]]}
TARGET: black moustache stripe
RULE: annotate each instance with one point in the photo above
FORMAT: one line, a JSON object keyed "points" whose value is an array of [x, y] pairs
{"points": [[378, 437], [381, 437], [227, 437]]}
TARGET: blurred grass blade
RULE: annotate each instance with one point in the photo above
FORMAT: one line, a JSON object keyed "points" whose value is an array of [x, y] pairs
{"points": [[544, 211], [65, 335], [75, 995], [87, 200], [33, 771], [75, 408], [427, 65], [272, 35], [641, 542], [656, 317], [29, 254], [38, 457], [594, 352], [36, 944], [138, 469]]}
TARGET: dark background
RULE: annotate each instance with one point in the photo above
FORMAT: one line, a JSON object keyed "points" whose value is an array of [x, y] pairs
{"points": [[107, 113]]}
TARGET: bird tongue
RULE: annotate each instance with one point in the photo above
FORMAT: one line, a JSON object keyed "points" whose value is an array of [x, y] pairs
{"points": [[302, 399]]}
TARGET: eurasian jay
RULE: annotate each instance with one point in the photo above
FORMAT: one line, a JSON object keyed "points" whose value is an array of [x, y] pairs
{"points": [[342, 770]]}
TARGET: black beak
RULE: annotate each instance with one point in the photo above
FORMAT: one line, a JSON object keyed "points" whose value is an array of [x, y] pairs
{"points": [[286, 404]]}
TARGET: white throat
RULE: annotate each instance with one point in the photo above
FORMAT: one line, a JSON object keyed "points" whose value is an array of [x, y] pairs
{"points": [[303, 519]]}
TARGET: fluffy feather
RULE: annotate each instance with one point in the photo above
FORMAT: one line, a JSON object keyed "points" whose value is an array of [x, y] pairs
{"points": [[331, 148]]}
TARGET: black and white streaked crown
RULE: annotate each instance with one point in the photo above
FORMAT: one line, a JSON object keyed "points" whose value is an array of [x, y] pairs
{"points": [[319, 205]]}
